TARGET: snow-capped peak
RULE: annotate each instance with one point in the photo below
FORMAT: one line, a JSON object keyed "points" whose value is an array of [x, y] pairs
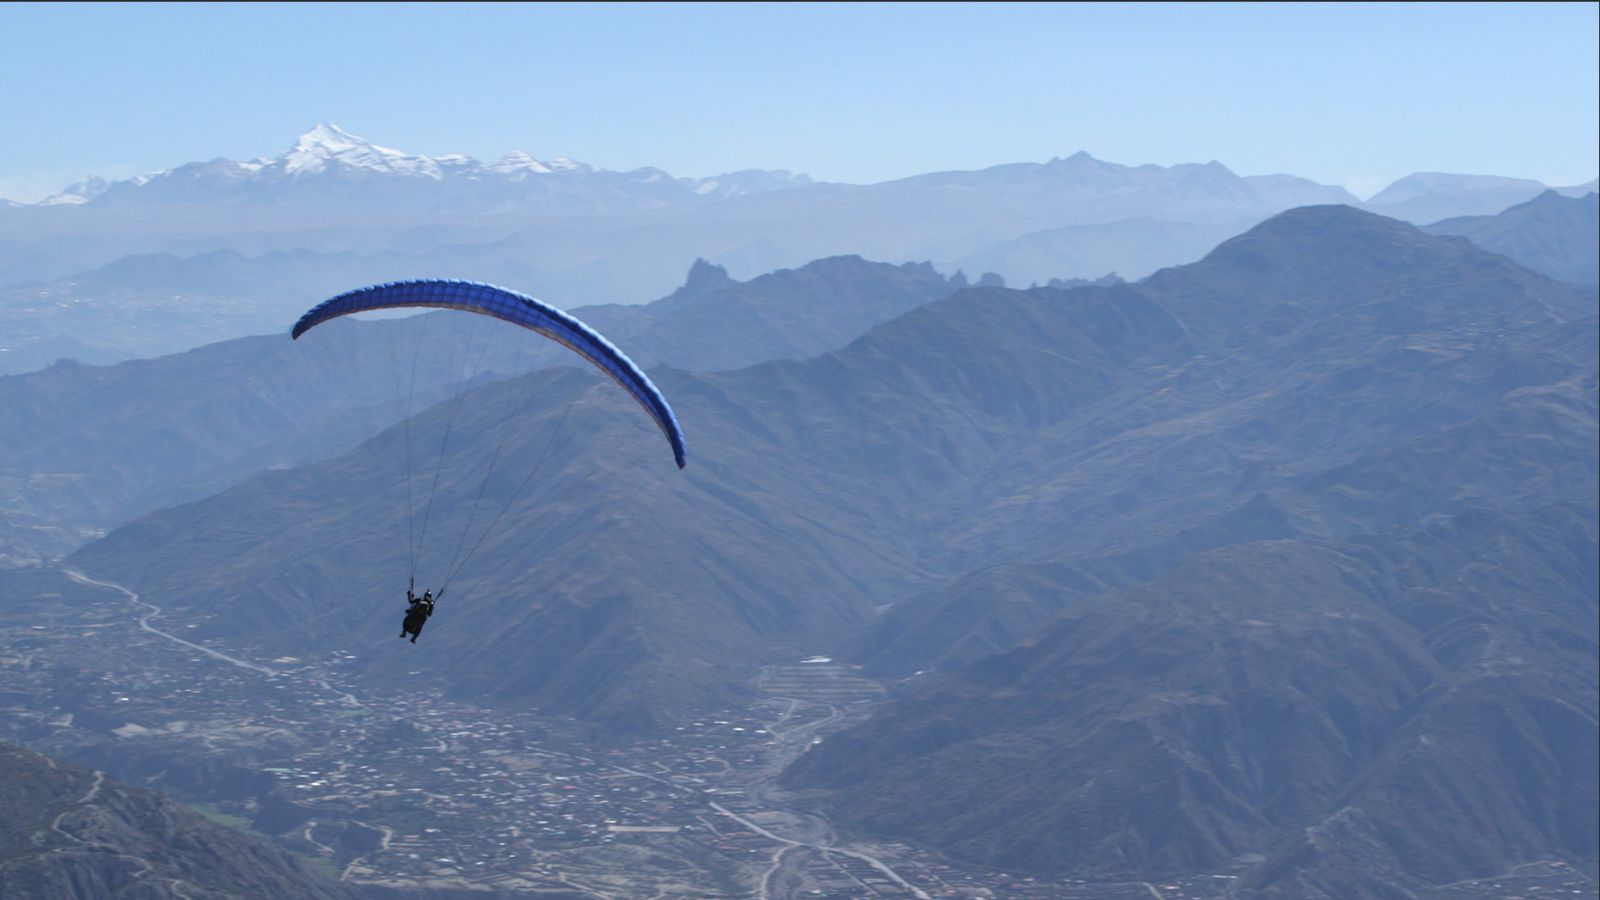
{"points": [[327, 145], [327, 154], [327, 138], [562, 164], [82, 192], [517, 161]]}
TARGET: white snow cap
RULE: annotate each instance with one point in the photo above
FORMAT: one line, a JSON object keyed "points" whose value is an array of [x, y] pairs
{"points": [[518, 161], [327, 145], [82, 192], [562, 164]]}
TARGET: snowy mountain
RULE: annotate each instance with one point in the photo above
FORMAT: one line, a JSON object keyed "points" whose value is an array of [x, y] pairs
{"points": [[327, 146], [81, 192], [328, 166]]}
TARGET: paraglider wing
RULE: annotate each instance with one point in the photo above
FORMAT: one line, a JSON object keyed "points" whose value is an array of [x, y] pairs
{"points": [[518, 309]]}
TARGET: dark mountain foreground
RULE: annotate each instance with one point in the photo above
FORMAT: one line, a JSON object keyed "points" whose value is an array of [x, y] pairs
{"points": [[68, 833]]}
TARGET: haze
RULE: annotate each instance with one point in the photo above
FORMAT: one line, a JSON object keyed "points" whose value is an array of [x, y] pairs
{"points": [[797, 451], [1349, 94]]}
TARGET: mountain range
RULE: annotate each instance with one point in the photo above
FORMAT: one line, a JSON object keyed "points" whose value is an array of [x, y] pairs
{"points": [[85, 448], [1330, 629], [1432, 196], [1552, 233], [1278, 565], [992, 427], [329, 168], [219, 248]]}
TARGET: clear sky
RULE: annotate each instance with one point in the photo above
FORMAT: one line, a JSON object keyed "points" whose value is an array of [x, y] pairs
{"points": [[1351, 94]]}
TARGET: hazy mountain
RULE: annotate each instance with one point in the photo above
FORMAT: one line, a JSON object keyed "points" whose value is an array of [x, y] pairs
{"points": [[1325, 592], [1286, 555], [1289, 191], [154, 305], [1552, 233], [1430, 196], [138, 306], [85, 448], [580, 236], [1278, 314], [1131, 248], [616, 588], [337, 208], [330, 168], [714, 322], [73, 834], [1179, 189], [88, 447], [1371, 716], [993, 426]]}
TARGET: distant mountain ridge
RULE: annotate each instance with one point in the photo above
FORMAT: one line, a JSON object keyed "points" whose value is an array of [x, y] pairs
{"points": [[1383, 489], [329, 165], [578, 235], [1552, 233], [87, 447], [1426, 197]]}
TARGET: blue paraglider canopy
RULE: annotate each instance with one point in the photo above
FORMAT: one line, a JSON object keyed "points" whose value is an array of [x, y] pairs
{"points": [[518, 309]]}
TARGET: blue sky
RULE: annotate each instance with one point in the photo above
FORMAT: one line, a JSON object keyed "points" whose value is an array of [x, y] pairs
{"points": [[1351, 94]]}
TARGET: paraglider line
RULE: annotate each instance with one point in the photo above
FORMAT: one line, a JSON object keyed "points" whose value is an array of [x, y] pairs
{"points": [[411, 391], [516, 406], [371, 380], [517, 493], [444, 443]]}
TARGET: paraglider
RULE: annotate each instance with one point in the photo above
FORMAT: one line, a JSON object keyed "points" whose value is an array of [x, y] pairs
{"points": [[418, 609], [517, 309]]}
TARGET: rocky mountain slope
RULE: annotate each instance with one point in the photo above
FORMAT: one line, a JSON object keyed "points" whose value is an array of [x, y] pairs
{"points": [[73, 834]]}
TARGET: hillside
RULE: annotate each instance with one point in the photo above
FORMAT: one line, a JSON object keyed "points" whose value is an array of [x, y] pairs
{"points": [[992, 426], [1553, 234], [1347, 578], [73, 834], [85, 448]]}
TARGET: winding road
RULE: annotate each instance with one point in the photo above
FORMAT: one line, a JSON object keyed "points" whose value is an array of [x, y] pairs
{"points": [[154, 611], [797, 736]]}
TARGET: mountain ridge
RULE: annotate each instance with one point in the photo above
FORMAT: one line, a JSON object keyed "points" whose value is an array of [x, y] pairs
{"points": [[327, 151], [1004, 376]]}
